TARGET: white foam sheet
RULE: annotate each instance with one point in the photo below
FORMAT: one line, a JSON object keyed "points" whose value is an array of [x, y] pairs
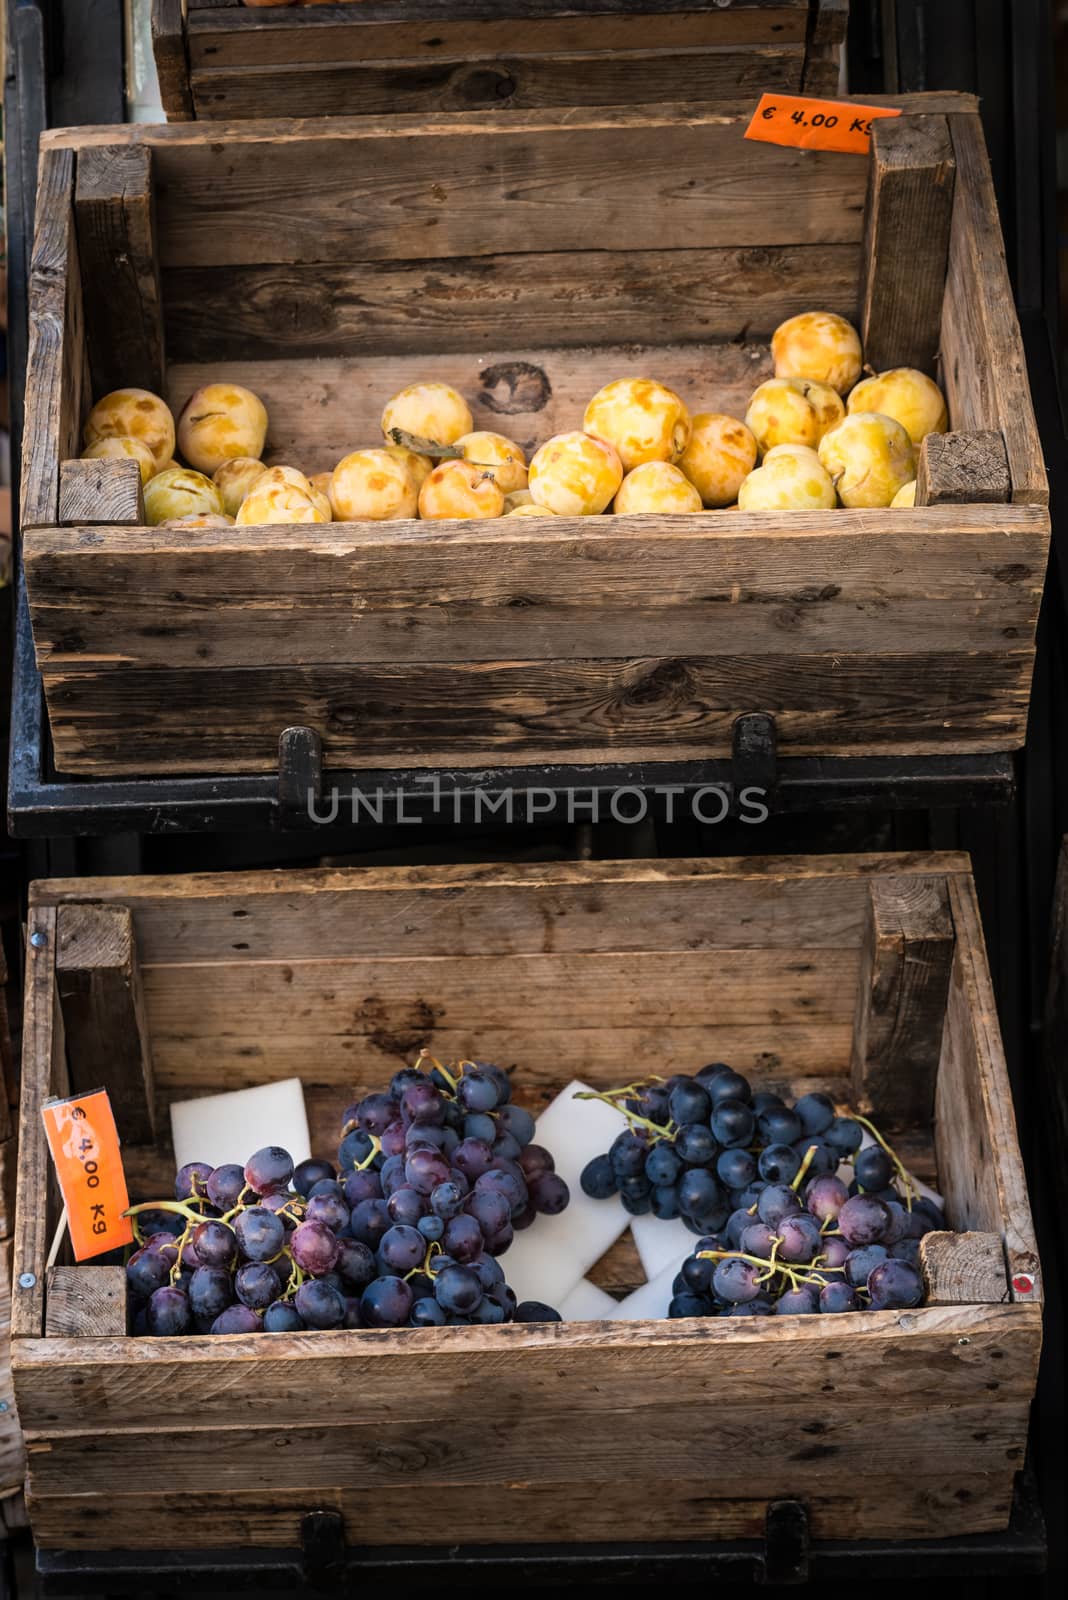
{"points": [[661, 1243], [220, 1128], [547, 1260], [588, 1303], [653, 1298]]}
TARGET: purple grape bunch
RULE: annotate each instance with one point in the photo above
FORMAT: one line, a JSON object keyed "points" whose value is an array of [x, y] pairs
{"points": [[433, 1177], [757, 1179]]}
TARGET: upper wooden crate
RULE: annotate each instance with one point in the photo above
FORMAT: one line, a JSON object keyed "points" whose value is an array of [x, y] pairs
{"points": [[221, 60], [864, 977], [527, 258]]}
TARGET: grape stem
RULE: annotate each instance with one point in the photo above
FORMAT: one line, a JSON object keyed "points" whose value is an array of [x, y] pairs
{"points": [[906, 1177], [803, 1168], [665, 1135], [424, 1055], [796, 1279]]}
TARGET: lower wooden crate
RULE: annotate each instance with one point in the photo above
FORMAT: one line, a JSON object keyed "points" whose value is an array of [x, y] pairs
{"points": [[863, 975]]}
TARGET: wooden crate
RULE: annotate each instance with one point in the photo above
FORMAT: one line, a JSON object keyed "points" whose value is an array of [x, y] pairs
{"points": [[864, 976], [328, 263], [12, 1454], [221, 60]]}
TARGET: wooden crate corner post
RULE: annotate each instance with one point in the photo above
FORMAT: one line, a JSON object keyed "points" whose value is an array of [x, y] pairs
{"points": [[104, 1013], [116, 224], [172, 59], [908, 214], [905, 966]]}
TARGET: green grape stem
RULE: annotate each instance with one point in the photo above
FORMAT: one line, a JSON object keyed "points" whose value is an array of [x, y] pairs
{"points": [[797, 1279], [664, 1135], [911, 1186], [803, 1168]]}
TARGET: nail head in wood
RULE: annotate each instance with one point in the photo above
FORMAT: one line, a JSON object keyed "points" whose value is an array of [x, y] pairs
{"points": [[115, 219], [906, 961], [956, 469], [85, 1302], [100, 993], [101, 493], [906, 240], [963, 1269]]}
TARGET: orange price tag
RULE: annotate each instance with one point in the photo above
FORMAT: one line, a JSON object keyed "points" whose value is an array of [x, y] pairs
{"points": [[795, 119], [84, 1143]]}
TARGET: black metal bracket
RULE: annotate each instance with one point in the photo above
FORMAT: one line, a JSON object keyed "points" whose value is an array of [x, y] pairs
{"points": [[300, 776], [786, 1542], [322, 1542], [754, 760]]}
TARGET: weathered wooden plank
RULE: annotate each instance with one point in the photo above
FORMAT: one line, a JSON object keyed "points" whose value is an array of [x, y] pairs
{"points": [[114, 213], [901, 999], [963, 1269], [785, 584], [44, 1073], [85, 1302], [963, 469], [504, 908], [80, 1388], [984, 370], [100, 992], [1054, 1082], [254, 312], [12, 1450], [101, 491], [56, 369], [378, 1454], [906, 241], [467, 83], [320, 410], [172, 60], [579, 1512], [825, 48], [981, 1172], [424, 715], [395, 29]]}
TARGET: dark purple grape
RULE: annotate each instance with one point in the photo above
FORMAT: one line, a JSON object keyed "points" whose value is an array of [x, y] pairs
{"points": [[861, 1262], [432, 1228], [386, 1303], [190, 1260], [308, 1173], [863, 1220], [652, 1103], [355, 1263], [895, 1286], [269, 1170], [406, 1205], [282, 1205], [168, 1222], [256, 1284], [825, 1197], [816, 1112], [873, 1168], [695, 1145], [354, 1151], [147, 1270], [211, 1290], [931, 1210], [764, 1100], [598, 1178], [627, 1153], [370, 1219], [425, 1169], [798, 1302], [191, 1182], [489, 1312], [463, 1239], [838, 1296], [477, 1092], [330, 1211], [353, 1318], [689, 1102], [362, 1186], [733, 1122], [736, 1225], [663, 1165], [491, 1211], [760, 1307], [900, 1223], [663, 1203], [320, 1304], [504, 1145], [735, 1280], [457, 1290], [778, 1200], [822, 1160], [329, 1186], [801, 1238], [779, 1163], [498, 1243], [391, 1176], [226, 1185], [756, 1240], [421, 1135], [735, 1168], [906, 1250], [314, 1249], [727, 1085], [780, 1125], [426, 1313], [447, 1200], [260, 1233], [281, 1317], [237, 1319], [535, 1311], [549, 1193], [168, 1313], [504, 1177], [401, 1249], [421, 1102], [400, 1081], [479, 1125], [699, 1193], [696, 1272], [394, 1139], [375, 1112], [844, 1136], [835, 1252], [517, 1121], [473, 1157], [500, 1078]]}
